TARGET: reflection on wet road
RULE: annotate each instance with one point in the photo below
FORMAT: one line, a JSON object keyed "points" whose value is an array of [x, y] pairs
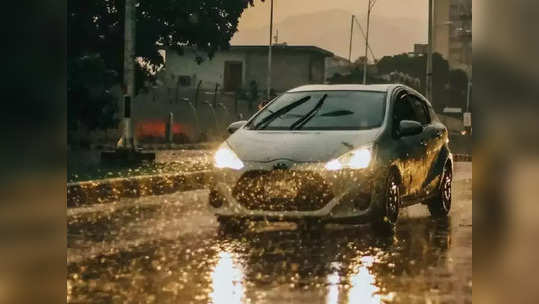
{"points": [[167, 249]]}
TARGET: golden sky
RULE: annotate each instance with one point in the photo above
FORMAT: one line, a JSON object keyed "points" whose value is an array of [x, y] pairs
{"points": [[259, 14], [257, 17]]}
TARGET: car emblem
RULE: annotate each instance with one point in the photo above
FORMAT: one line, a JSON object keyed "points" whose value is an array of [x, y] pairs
{"points": [[280, 166]]}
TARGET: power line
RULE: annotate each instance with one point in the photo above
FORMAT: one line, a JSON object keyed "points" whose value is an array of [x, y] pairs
{"points": [[370, 7], [365, 37]]}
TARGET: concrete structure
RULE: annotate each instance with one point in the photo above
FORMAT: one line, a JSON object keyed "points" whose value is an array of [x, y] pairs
{"points": [[420, 48], [237, 67], [452, 32]]}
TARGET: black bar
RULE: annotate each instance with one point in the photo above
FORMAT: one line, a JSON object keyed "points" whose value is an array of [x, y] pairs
{"points": [[127, 106]]}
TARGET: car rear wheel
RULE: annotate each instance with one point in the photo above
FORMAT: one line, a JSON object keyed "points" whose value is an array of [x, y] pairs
{"points": [[440, 205], [390, 210]]}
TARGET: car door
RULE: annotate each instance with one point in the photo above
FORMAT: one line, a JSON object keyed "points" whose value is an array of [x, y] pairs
{"points": [[428, 139], [435, 135], [410, 149]]}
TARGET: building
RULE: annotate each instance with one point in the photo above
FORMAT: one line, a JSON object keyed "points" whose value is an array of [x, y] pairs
{"points": [[452, 32], [421, 48], [237, 67]]}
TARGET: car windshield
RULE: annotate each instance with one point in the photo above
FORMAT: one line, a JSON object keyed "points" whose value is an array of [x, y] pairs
{"points": [[323, 110]]}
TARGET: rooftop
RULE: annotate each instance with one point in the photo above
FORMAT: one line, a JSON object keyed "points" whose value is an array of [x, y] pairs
{"points": [[344, 87], [310, 48]]}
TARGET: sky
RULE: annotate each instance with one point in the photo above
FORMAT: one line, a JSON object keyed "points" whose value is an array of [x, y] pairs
{"points": [[257, 17]]}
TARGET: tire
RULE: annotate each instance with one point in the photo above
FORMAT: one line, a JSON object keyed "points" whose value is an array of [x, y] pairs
{"points": [[231, 225], [215, 199], [440, 204], [387, 218]]}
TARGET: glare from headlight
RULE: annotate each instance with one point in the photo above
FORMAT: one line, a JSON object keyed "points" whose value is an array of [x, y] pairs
{"points": [[357, 159], [224, 157], [334, 165], [360, 159]]}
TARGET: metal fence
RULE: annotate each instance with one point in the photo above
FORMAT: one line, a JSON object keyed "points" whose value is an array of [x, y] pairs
{"points": [[199, 113]]}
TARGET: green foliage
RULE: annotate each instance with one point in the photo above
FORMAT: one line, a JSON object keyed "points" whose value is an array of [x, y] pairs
{"points": [[90, 104], [96, 27], [415, 66], [448, 86], [356, 77], [253, 91], [95, 45], [458, 88]]}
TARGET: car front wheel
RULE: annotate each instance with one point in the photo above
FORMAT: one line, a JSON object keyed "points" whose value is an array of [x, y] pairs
{"points": [[390, 210]]}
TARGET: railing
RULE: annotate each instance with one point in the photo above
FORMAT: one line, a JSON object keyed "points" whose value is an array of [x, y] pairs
{"points": [[200, 112]]}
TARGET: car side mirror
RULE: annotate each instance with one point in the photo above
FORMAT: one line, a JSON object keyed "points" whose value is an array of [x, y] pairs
{"points": [[233, 127], [409, 128]]}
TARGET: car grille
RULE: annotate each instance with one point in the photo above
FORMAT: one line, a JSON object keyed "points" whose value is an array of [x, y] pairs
{"points": [[282, 190]]}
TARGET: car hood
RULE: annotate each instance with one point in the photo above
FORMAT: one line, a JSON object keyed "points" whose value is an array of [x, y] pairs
{"points": [[299, 146]]}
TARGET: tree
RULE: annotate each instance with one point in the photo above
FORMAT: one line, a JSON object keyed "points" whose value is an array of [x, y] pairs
{"points": [[90, 104], [415, 67], [360, 61], [96, 27], [448, 86], [458, 88], [95, 42]]}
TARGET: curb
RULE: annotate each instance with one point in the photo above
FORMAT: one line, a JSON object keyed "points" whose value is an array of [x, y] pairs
{"points": [[107, 190], [164, 146]]}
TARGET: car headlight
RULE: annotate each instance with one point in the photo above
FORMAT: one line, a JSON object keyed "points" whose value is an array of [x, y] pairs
{"points": [[356, 159], [224, 157]]}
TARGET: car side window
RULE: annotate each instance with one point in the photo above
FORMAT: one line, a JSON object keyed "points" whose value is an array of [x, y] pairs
{"points": [[420, 110], [403, 110]]}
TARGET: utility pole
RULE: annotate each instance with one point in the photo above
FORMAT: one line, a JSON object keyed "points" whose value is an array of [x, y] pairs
{"points": [[351, 33], [428, 80], [125, 148], [364, 37], [468, 96], [127, 142], [369, 9], [269, 51]]}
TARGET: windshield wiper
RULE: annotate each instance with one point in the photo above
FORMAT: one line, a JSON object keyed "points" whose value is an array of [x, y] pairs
{"points": [[268, 119], [337, 113], [312, 113]]}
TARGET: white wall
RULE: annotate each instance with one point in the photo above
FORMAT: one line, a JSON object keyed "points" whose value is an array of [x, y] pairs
{"points": [[209, 71]]}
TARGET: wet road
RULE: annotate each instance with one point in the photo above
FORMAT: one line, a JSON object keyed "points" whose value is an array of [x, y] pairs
{"points": [[167, 249]]}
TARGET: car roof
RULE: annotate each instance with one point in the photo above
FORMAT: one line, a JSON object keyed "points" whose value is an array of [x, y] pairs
{"points": [[345, 87]]}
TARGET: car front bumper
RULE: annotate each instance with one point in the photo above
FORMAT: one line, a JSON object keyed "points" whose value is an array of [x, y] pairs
{"points": [[355, 194]]}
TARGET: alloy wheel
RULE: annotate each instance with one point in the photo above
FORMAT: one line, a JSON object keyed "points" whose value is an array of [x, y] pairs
{"points": [[446, 190], [392, 200]]}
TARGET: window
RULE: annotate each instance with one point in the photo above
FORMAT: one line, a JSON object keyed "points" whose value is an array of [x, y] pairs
{"points": [[323, 110], [420, 110], [403, 110], [233, 76], [409, 107]]}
